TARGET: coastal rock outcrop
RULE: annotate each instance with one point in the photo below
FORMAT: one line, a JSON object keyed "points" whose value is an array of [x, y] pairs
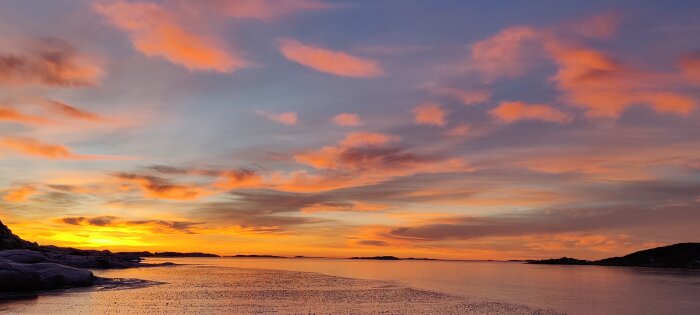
{"points": [[18, 277]]}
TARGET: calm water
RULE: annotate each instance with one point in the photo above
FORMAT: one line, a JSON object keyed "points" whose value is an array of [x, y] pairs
{"points": [[568, 289]]}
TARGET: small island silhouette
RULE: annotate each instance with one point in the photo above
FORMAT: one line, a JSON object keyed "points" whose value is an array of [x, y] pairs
{"points": [[681, 255]]}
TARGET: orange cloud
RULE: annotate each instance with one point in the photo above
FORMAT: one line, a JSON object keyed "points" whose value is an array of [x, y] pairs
{"points": [[690, 65], [33, 147], [19, 194], [10, 114], [344, 207], [506, 54], [360, 159], [355, 139], [71, 112], [239, 179], [459, 130], [347, 119], [604, 87], [154, 31], [287, 118], [264, 9], [467, 97], [159, 188], [329, 61], [49, 62], [509, 112], [345, 155], [429, 114]]}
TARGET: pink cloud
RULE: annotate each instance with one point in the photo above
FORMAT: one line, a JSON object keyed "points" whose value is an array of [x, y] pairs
{"points": [[19, 194], [13, 115], [329, 61], [506, 54], [287, 118], [605, 87], [264, 9], [509, 112], [156, 32], [69, 111], [429, 114], [467, 97], [347, 119], [690, 65], [36, 148], [459, 130], [49, 62], [368, 138]]}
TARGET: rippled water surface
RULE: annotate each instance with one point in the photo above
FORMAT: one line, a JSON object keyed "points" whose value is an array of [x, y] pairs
{"points": [[254, 285]]}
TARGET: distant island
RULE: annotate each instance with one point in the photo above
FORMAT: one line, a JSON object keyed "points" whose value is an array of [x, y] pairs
{"points": [[682, 255], [390, 258], [169, 254], [255, 256]]}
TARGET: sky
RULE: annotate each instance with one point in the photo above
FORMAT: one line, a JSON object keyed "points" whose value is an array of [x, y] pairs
{"points": [[444, 129]]}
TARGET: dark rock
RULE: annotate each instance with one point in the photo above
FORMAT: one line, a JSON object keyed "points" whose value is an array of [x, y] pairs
{"points": [[18, 277], [10, 241]]}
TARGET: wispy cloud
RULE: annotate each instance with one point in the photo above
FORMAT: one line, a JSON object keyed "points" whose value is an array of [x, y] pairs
{"points": [[347, 119], [329, 61], [48, 62], [466, 96], [72, 112], [19, 194], [263, 9], [33, 147], [286, 118], [509, 112], [157, 32], [160, 188]]}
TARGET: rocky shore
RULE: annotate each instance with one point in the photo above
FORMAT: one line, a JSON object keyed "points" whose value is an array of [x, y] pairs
{"points": [[27, 266]]}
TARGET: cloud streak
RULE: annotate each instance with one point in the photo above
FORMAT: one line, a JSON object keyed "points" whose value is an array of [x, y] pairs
{"points": [[510, 112], [48, 62], [156, 32], [329, 61]]}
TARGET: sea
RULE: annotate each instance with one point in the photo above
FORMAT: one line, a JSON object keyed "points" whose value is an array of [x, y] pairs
{"points": [[345, 286]]}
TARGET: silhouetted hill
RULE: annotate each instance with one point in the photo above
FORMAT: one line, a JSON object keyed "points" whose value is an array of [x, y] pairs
{"points": [[8, 240], [682, 255]]}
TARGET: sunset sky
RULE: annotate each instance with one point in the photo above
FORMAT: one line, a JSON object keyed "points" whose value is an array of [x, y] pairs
{"points": [[445, 129]]}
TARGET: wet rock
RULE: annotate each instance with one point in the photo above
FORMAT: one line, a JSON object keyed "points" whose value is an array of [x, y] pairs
{"points": [[18, 277]]}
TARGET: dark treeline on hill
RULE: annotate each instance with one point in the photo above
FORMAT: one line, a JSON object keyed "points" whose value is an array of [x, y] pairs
{"points": [[682, 255]]}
